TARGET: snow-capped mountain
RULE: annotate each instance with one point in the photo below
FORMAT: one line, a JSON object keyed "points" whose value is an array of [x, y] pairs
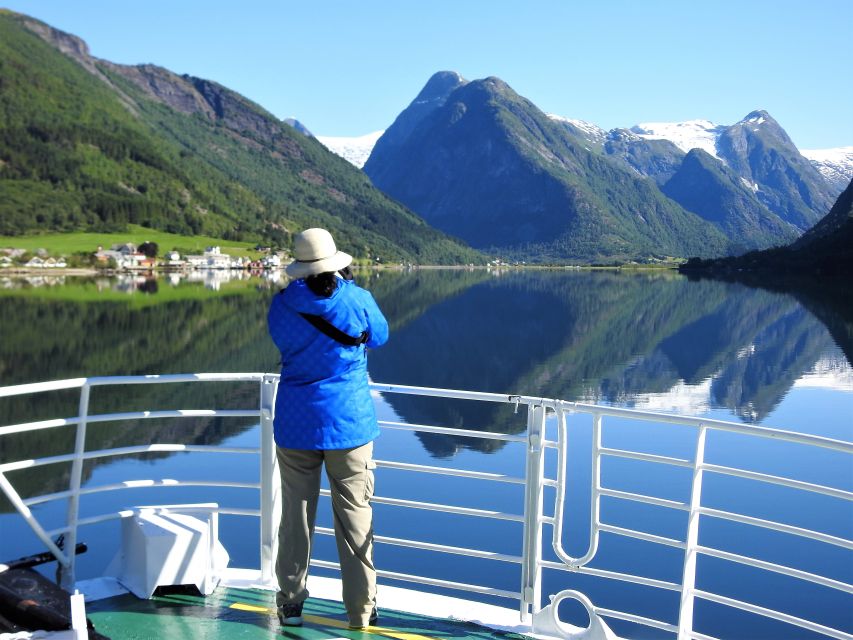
{"points": [[692, 134], [356, 150], [835, 165]]}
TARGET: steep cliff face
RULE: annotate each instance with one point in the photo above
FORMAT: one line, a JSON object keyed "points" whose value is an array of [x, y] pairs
{"points": [[70, 45], [164, 86], [76, 49]]}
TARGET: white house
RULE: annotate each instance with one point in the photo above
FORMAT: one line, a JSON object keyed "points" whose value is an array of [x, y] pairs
{"points": [[212, 258], [173, 259], [196, 262], [218, 261], [272, 261]]}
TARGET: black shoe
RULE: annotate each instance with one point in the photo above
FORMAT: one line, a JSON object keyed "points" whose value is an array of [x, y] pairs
{"points": [[371, 622], [290, 615]]}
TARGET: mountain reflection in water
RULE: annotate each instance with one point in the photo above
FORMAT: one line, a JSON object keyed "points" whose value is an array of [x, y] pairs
{"points": [[656, 341], [647, 341]]}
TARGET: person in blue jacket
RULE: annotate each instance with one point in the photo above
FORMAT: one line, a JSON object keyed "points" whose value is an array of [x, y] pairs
{"points": [[322, 323]]}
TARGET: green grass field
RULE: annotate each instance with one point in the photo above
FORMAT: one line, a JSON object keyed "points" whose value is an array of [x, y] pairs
{"points": [[66, 244]]}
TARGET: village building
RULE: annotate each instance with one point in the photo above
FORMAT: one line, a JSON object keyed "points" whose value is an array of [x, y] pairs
{"points": [[103, 256], [196, 261], [124, 258], [125, 248], [212, 258], [173, 259], [218, 260], [272, 261]]}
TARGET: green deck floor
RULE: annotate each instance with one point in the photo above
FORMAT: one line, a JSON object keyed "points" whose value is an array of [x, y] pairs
{"points": [[248, 614]]}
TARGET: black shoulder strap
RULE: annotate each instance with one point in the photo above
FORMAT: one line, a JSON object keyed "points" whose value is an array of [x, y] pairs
{"points": [[327, 328]]}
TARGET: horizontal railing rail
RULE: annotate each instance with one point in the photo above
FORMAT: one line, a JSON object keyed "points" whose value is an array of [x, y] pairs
{"points": [[540, 413]]}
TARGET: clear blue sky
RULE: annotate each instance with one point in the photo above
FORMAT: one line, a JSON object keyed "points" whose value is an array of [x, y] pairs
{"points": [[346, 67]]}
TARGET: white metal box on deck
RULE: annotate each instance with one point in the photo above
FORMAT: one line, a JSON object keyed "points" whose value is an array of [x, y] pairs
{"points": [[163, 546]]}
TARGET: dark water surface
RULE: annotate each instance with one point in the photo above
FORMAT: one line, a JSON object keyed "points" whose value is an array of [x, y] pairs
{"points": [[648, 341]]}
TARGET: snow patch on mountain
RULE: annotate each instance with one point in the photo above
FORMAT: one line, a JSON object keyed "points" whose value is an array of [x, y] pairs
{"points": [[836, 165], [355, 150], [590, 131], [752, 186], [687, 135]]}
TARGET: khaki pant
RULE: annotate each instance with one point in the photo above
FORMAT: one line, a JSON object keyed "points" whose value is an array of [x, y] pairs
{"points": [[350, 473]]}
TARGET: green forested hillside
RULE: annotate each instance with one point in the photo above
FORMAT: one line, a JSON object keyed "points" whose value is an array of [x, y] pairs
{"points": [[89, 145], [825, 251]]}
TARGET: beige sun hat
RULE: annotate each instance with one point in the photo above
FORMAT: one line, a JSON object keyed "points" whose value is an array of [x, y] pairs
{"points": [[314, 252]]}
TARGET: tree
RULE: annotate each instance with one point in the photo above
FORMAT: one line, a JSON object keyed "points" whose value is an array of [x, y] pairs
{"points": [[150, 249]]}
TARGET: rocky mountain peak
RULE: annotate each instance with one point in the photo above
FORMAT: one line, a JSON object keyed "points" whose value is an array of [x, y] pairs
{"points": [[761, 152], [759, 121], [438, 87], [433, 96], [759, 116]]}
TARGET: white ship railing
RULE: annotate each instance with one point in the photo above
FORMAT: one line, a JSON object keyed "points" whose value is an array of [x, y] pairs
{"points": [[533, 518]]}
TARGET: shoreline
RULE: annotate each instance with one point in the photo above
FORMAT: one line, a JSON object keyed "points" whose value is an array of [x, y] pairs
{"points": [[42, 271], [91, 271]]}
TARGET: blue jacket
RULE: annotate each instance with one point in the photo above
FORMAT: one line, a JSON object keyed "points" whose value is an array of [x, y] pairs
{"points": [[323, 399]]}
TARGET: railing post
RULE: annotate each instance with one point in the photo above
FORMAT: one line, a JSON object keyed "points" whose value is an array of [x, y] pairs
{"points": [[531, 573], [595, 504], [270, 486], [67, 571], [595, 493], [688, 584]]}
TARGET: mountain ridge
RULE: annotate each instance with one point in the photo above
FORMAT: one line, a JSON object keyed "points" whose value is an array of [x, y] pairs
{"points": [[86, 143], [755, 186], [770, 191], [485, 154]]}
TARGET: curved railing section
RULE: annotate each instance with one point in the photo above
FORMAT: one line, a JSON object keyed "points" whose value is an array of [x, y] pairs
{"points": [[543, 415]]}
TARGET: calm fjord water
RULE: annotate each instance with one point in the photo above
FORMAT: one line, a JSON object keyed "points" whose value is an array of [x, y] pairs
{"points": [[649, 341]]}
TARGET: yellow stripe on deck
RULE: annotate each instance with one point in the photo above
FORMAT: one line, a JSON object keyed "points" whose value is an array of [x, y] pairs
{"points": [[250, 607], [331, 622]]}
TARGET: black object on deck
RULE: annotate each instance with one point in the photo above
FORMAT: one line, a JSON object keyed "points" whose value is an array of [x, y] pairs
{"points": [[29, 602], [41, 558]]}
